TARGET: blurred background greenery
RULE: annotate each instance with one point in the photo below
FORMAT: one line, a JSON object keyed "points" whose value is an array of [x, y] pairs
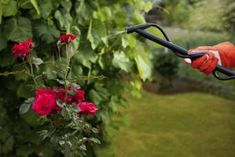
{"points": [[183, 112], [191, 24]]}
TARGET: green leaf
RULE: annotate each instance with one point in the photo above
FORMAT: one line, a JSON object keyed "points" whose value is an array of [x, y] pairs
{"points": [[51, 74], [138, 17], [18, 29], [136, 86], [37, 61], [64, 19], [4, 131], [96, 32], [46, 8], [76, 31], [120, 60], [60, 103], [95, 130], [148, 6], [77, 70], [103, 14], [46, 32], [99, 93], [131, 41], [101, 62], [95, 96], [25, 90], [8, 145], [9, 9], [33, 119], [20, 73], [143, 67], [86, 56], [67, 5], [7, 58], [26, 105], [3, 40], [24, 151], [83, 147], [95, 140], [143, 62], [83, 12], [35, 5], [124, 43]]}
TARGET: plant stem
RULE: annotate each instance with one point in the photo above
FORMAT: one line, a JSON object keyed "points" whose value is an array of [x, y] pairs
{"points": [[66, 91], [29, 59], [68, 55]]}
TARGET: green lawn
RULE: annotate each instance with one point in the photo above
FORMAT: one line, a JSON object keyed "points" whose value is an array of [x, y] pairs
{"points": [[181, 125]]}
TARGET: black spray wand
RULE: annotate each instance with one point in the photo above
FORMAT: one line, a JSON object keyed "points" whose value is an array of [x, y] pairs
{"points": [[179, 51]]}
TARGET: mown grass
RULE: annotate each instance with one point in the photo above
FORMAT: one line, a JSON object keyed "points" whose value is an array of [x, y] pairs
{"points": [[181, 125]]}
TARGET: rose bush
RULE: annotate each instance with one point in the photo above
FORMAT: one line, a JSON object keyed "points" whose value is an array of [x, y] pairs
{"points": [[45, 101], [72, 73], [61, 106]]}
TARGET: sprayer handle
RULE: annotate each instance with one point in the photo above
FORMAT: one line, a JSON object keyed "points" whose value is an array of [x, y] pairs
{"points": [[196, 55], [179, 51]]}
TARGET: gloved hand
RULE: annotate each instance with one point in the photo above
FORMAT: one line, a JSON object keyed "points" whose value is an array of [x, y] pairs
{"points": [[222, 54]]}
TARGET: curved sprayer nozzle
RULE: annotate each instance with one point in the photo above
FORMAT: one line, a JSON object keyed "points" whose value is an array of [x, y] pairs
{"points": [[131, 29]]}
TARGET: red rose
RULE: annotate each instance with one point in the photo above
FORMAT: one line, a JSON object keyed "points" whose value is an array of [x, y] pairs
{"points": [[87, 108], [45, 102], [79, 96], [27, 43], [22, 49], [61, 94], [67, 38]]}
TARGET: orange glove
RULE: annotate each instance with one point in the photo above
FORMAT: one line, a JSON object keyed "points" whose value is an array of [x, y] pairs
{"points": [[222, 54]]}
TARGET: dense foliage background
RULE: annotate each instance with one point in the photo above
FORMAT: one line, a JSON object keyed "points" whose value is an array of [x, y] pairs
{"points": [[191, 14], [230, 15], [106, 64]]}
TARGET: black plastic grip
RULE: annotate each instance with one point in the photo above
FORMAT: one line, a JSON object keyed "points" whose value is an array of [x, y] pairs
{"points": [[196, 55]]}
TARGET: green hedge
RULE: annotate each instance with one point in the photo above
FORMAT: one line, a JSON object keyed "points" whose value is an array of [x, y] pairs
{"points": [[102, 58]]}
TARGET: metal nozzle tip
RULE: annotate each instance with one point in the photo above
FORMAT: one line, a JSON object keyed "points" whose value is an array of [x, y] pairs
{"points": [[132, 29], [129, 29]]}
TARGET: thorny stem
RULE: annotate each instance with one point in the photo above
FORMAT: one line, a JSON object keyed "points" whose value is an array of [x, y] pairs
{"points": [[59, 47], [29, 59], [88, 76], [68, 68], [68, 55], [66, 91]]}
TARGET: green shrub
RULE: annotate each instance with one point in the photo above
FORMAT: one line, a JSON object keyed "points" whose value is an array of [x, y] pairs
{"points": [[207, 15], [166, 64], [178, 11], [229, 15], [102, 57]]}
